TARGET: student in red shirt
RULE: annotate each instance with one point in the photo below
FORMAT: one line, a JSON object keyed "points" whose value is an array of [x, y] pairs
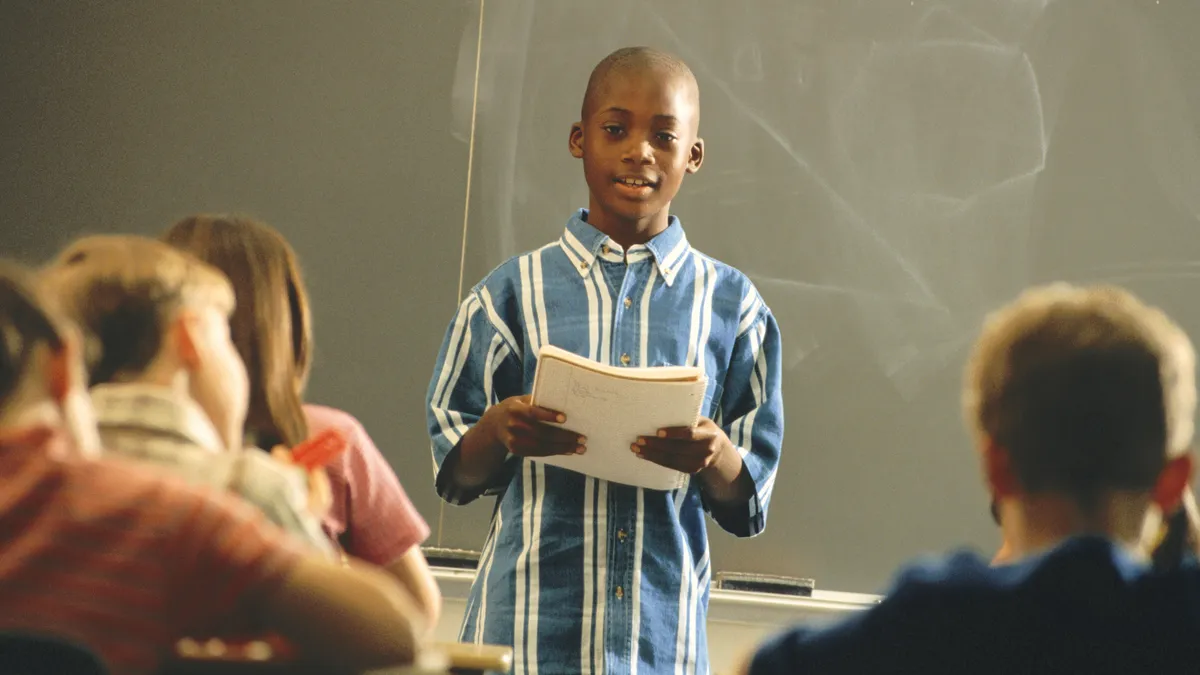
{"points": [[371, 518], [125, 561]]}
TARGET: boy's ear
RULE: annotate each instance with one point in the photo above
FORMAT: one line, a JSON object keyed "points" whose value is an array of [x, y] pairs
{"points": [[575, 140], [184, 339], [696, 156], [66, 367], [59, 371], [998, 471], [1174, 479]]}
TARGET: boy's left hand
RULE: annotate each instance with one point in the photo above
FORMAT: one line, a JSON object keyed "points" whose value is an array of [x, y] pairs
{"points": [[686, 449]]}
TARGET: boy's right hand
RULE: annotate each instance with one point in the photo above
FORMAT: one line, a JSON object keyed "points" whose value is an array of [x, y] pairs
{"points": [[522, 429]]}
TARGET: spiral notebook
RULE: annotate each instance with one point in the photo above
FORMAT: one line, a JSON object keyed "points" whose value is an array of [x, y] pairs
{"points": [[612, 406]]}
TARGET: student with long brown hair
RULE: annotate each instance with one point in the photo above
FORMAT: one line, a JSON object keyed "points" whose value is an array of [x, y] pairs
{"points": [[371, 518]]}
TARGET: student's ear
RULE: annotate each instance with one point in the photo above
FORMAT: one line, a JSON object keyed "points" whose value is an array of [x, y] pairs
{"points": [[575, 140], [1175, 478], [998, 471], [185, 339], [66, 367], [62, 369], [696, 156]]}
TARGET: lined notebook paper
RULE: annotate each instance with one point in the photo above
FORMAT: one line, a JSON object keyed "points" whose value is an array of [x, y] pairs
{"points": [[612, 406]]}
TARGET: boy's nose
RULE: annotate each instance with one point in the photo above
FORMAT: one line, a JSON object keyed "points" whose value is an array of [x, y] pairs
{"points": [[639, 152]]}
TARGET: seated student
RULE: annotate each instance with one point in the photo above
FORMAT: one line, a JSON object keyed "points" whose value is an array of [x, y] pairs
{"points": [[372, 518], [168, 386], [109, 554], [1081, 401]]}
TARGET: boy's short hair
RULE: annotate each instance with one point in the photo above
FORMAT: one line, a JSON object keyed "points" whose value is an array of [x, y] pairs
{"points": [[633, 58], [124, 291], [1088, 389], [26, 322]]}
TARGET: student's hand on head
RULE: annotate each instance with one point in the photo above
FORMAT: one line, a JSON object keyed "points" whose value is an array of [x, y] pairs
{"points": [[686, 449], [320, 493], [525, 429]]}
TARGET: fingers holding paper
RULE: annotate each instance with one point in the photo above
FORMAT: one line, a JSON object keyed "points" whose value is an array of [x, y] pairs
{"points": [[686, 449], [526, 430]]}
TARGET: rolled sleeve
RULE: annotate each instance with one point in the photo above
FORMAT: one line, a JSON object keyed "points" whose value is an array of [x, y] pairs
{"points": [[752, 417], [372, 515], [477, 366]]}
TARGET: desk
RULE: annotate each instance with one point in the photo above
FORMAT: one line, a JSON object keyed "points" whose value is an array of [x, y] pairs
{"points": [[270, 656]]}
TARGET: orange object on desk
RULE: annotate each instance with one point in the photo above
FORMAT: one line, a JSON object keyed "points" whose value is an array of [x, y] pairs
{"points": [[317, 451]]}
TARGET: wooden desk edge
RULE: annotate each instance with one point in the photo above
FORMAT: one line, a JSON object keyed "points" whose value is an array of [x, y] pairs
{"points": [[467, 656]]}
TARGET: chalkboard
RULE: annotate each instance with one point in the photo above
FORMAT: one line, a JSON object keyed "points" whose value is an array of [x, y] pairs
{"points": [[886, 172]]}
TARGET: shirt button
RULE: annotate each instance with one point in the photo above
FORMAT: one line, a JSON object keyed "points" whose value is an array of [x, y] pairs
{"points": [[620, 592], [606, 249], [625, 359], [628, 303], [621, 535], [583, 266]]}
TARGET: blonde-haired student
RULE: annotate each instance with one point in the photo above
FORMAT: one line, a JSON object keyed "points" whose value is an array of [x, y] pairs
{"points": [[1080, 401]]}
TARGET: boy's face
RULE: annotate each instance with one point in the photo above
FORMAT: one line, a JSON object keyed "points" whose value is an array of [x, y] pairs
{"points": [[637, 141]]}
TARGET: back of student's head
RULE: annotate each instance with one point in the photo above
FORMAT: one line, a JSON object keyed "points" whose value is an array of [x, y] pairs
{"points": [[272, 325], [42, 378], [154, 312], [1088, 390], [26, 327], [125, 291]]}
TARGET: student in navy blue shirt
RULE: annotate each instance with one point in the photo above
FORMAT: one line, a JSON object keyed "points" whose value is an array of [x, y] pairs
{"points": [[1081, 403]]}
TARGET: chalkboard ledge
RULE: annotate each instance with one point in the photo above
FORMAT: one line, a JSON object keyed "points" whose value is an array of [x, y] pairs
{"points": [[724, 605]]}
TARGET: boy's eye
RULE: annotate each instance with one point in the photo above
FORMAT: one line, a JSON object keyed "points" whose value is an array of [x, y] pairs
{"points": [[612, 129], [666, 137]]}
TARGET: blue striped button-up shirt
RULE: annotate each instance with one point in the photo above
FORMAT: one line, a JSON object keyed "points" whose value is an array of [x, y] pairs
{"points": [[582, 575]]}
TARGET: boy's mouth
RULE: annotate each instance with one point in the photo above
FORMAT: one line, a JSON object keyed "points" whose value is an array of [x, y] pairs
{"points": [[635, 185]]}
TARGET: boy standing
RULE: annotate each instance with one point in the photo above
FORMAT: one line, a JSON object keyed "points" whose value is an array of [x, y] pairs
{"points": [[579, 574], [1081, 403]]}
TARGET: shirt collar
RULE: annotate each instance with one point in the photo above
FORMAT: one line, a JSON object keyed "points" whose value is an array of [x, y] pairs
{"points": [[1127, 563], [154, 410], [584, 243]]}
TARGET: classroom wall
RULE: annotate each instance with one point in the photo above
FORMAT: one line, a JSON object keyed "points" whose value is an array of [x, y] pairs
{"points": [[330, 124]]}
